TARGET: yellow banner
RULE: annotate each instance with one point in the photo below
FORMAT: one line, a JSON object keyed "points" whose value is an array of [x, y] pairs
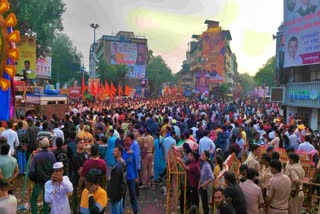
{"points": [[27, 48]]}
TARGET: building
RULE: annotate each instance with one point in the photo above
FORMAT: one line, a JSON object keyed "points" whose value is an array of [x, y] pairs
{"points": [[129, 49], [210, 59], [298, 66]]}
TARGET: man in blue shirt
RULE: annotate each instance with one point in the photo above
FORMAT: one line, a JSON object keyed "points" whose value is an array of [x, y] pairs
{"points": [[129, 156], [168, 141], [306, 145]]}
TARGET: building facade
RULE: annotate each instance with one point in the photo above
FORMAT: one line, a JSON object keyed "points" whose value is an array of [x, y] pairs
{"points": [[210, 60], [298, 63], [129, 49]]}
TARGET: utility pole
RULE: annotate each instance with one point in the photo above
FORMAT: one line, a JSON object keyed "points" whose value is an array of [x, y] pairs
{"points": [[92, 60]]}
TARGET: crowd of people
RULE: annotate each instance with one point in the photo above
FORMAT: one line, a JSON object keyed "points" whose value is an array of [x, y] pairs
{"points": [[96, 153]]}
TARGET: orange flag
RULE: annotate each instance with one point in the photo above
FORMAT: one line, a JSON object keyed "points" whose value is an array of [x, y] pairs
{"points": [[83, 87], [93, 89], [113, 90], [107, 88], [120, 92], [127, 91]]}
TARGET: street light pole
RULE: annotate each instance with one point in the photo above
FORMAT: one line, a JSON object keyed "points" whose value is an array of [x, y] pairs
{"points": [[93, 52], [94, 26]]}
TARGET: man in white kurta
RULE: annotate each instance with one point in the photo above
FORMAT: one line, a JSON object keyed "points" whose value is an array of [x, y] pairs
{"points": [[57, 190]]}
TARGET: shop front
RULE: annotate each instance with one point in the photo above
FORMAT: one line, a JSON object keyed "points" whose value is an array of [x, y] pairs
{"points": [[304, 99]]}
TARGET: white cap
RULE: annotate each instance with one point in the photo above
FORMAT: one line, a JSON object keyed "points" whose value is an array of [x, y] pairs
{"points": [[57, 165]]}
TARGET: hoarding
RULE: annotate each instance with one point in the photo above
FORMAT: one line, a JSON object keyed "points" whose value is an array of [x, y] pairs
{"points": [[301, 32], [44, 62], [213, 54], [27, 48], [132, 54], [202, 81]]}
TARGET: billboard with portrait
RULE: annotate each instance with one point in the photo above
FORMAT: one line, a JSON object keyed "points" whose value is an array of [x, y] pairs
{"points": [[27, 48], [213, 54], [132, 54], [301, 32], [44, 62], [202, 81]]}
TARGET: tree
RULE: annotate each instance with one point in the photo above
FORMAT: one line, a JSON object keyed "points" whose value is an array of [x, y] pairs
{"points": [[247, 82], [221, 91], [158, 72], [266, 75], [43, 17], [66, 61], [114, 73]]}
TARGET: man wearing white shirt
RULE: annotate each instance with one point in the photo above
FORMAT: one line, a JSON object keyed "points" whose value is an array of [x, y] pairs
{"points": [[58, 132], [12, 137], [57, 190], [206, 144]]}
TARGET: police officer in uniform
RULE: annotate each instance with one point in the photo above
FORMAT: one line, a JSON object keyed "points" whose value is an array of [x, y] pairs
{"points": [[278, 190], [296, 174]]}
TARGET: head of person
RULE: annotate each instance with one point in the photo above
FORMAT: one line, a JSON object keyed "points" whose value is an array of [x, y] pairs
{"points": [[255, 149], [265, 159], [20, 125], [44, 143], [218, 197], [307, 138], [193, 156], [205, 156], [45, 126], [275, 156], [93, 178], [275, 166], [111, 132], [94, 150], [4, 187], [57, 169], [244, 171], [293, 158], [5, 148], [230, 178], [26, 64], [121, 133], [292, 46], [186, 148], [79, 143], [128, 142], [117, 152], [59, 142], [252, 174], [270, 150], [257, 136], [9, 124]]}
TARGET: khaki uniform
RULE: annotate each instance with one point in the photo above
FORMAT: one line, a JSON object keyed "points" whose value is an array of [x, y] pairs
{"points": [[278, 192], [296, 173], [265, 176]]}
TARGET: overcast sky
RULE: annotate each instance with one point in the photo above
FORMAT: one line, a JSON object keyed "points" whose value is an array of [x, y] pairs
{"points": [[169, 25]]}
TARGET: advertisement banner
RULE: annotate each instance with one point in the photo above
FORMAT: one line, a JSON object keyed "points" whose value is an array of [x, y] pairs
{"points": [[132, 54], [136, 71], [44, 62], [213, 54], [301, 32], [75, 92], [27, 48], [202, 81]]}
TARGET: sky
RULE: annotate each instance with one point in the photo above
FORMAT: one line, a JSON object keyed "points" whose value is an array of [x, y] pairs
{"points": [[169, 24]]}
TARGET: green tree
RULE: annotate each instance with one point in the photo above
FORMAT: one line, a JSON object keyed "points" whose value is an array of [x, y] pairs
{"points": [[158, 72], [41, 16], [66, 60], [266, 74], [247, 82], [114, 73]]}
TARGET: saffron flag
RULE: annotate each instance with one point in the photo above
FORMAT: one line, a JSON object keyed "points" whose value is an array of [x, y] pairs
{"points": [[107, 88], [127, 91], [113, 90], [120, 92], [93, 89]]}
